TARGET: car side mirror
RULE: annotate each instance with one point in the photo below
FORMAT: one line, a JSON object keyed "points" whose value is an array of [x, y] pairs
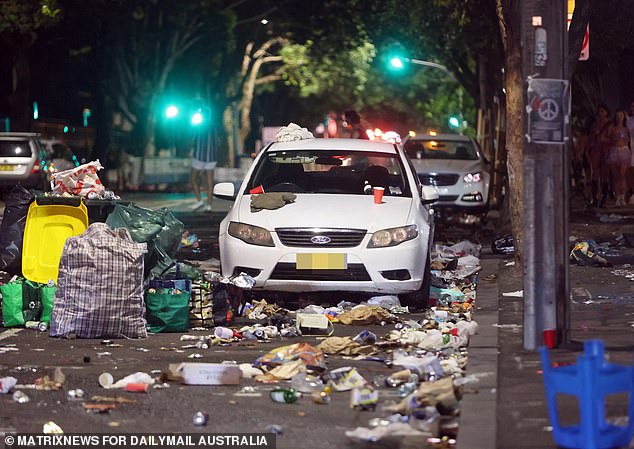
{"points": [[429, 194], [225, 191]]}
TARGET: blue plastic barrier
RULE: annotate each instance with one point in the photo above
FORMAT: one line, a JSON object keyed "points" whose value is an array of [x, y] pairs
{"points": [[590, 380]]}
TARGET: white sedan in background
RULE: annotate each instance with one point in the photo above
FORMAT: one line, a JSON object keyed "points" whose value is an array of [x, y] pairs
{"points": [[332, 237], [455, 166]]}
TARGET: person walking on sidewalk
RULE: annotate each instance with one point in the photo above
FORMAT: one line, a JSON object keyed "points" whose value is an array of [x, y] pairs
{"points": [[620, 156], [204, 161], [629, 122], [598, 147]]}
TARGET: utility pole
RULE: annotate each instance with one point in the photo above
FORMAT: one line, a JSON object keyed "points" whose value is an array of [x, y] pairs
{"points": [[547, 95]]}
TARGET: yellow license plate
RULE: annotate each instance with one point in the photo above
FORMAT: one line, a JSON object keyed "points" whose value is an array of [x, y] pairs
{"points": [[6, 167], [321, 261]]}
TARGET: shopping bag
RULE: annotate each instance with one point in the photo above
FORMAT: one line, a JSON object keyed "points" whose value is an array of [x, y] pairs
{"points": [[100, 291], [167, 310], [24, 301], [201, 304], [167, 302]]}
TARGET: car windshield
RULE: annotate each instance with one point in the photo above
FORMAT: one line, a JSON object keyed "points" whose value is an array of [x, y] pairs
{"points": [[15, 148], [441, 149], [329, 171]]}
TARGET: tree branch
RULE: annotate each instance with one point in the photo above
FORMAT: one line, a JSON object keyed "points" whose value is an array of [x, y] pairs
{"points": [[502, 22], [259, 16], [268, 79]]}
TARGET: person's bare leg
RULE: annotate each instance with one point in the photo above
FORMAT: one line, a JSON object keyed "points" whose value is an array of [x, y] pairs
{"points": [[209, 175], [195, 184]]}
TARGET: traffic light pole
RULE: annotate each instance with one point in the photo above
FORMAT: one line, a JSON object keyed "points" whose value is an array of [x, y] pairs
{"points": [[545, 251]]}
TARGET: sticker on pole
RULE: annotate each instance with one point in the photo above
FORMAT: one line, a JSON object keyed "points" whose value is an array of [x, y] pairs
{"points": [[548, 110]]}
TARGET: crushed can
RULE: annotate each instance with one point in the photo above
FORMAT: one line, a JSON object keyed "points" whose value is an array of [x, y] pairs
{"points": [[41, 326]]}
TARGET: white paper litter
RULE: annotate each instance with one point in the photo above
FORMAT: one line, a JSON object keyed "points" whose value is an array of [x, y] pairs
{"points": [[292, 132], [516, 294]]}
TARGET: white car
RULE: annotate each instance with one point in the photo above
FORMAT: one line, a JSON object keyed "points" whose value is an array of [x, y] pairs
{"points": [[455, 166], [332, 237]]}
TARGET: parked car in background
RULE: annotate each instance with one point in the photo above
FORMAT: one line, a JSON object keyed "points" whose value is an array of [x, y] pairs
{"points": [[332, 237], [61, 156], [455, 166], [23, 161]]}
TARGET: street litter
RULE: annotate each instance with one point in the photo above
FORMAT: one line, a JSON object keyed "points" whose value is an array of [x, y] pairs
{"points": [[248, 391], [314, 324], [584, 254], [106, 380], [309, 355], [503, 245], [345, 346], [7, 384], [395, 430], [516, 294], [248, 371], [50, 428], [365, 398], [76, 394], [20, 397], [363, 315], [611, 218], [204, 373], [345, 379], [285, 395], [200, 419]]}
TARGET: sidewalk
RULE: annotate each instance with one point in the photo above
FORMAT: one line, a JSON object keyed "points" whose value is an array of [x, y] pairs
{"points": [[507, 409]]}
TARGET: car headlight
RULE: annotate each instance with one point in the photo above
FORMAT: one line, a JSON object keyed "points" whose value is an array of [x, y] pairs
{"points": [[473, 177], [253, 235], [392, 236]]}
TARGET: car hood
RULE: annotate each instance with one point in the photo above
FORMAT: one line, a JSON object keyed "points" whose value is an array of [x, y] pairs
{"points": [[446, 166], [334, 211]]}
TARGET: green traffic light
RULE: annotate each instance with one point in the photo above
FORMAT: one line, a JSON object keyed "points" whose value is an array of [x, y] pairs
{"points": [[171, 111], [396, 62], [454, 122], [65, 129], [197, 118]]}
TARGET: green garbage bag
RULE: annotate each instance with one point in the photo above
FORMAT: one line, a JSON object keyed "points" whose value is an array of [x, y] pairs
{"points": [[167, 310], [158, 228], [24, 301]]}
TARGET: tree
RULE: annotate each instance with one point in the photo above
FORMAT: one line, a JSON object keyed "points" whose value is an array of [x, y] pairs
{"points": [[20, 23], [147, 39], [241, 92], [509, 15]]}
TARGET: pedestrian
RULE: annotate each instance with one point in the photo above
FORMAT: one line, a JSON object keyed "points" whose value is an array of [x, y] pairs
{"points": [[597, 151], [620, 156], [353, 127], [629, 122], [579, 170], [204, 161]]}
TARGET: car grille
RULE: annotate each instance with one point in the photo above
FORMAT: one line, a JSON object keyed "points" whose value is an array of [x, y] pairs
{"points": [[447, 197], [287, 271], [339, 238], [441, 179]]}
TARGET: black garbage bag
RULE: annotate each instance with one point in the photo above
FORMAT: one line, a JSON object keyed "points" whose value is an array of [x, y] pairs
{"points": [[226, 302], [12, 229]]}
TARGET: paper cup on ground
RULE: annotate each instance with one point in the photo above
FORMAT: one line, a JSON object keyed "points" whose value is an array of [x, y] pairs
{"points": [[106, 380], [378, 194], [223, 332]]}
